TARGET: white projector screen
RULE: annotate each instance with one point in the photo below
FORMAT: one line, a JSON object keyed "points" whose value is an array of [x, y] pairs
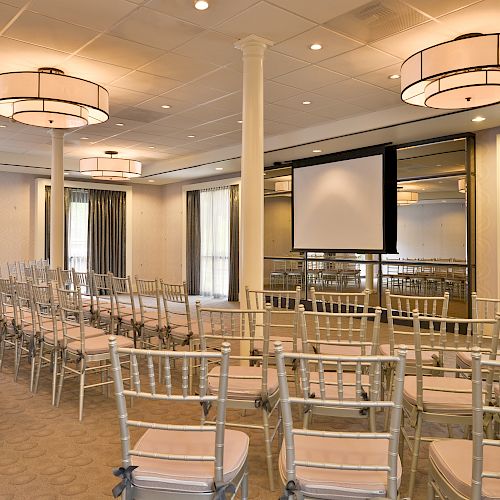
{"points": [[339, 205]]}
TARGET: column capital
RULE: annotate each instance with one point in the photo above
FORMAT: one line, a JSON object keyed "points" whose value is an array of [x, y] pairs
{"points": [[253, 44]]}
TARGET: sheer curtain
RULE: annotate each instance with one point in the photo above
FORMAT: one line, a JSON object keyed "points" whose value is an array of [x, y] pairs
{"points": [[77, 230], [214, 242]]}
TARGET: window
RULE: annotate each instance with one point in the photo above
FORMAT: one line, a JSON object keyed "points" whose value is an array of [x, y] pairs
{"points": [[77, 231], [214, 242]]}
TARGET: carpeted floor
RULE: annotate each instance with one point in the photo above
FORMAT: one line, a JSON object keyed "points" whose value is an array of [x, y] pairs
{"points": [[45, 453]]}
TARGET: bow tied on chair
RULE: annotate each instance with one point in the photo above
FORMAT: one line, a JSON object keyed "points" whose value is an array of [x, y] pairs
{"points": [[290, 490], [222, 489], [126, 476]]}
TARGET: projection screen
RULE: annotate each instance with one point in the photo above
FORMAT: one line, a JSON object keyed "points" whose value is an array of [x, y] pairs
{"points": [[345, 204]]}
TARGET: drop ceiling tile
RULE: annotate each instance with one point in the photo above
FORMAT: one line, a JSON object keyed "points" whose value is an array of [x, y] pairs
{"points": [[405, 44], [316, 102], [231, 103], [95, 14], [7, 13], [382, 99], [214, 47], [340, 110], [333, 44], [436, 9], [359, 61], [16, 3], [47, 32], [222, 10], [377, 19], [223, 79], [140, 115], [153, 28], [310, 78], [114, 50], [274, 91], [319, 11], [267, 21], [275, 64], [156, 103], [144, 82], [159, 128], [274, 128], [194, 93], [481, 17], [95, 71], [347, 89], [28, 55], [178, 67], [381, 78], [126, 97]]}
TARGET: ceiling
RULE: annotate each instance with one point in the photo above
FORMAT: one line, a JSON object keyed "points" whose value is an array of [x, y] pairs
{"points": [[154, 53]]}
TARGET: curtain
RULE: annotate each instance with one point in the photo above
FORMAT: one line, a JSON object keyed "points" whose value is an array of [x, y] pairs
{"points": [[67, 198], [106, 232], [234, 243], [77, 230], [193, 242], [214, 242]]}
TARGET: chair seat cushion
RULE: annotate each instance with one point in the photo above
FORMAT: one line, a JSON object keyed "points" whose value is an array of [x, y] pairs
{"points": [[339, 484], [439, 400], [73, 333], [428, 357], [342, 350], [99, 345], [453, 459], [186, 476], [464, 358], [244, 388], [331, 385]]}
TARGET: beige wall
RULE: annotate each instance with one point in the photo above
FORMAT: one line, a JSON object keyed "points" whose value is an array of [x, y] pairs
{"points": [[173, 213], [17, 211]]}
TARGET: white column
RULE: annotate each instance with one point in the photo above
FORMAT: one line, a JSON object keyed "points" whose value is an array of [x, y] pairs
{"points": [[57, 200], [252, 165], [369, 285]]}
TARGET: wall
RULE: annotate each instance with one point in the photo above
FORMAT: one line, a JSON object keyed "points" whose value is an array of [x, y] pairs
{"points": [[277, 225], [148, 222], [173, 213], [432, 230], [17, 209]]}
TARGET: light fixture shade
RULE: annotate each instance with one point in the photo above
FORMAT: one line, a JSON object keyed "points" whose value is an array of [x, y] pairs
{"points": [[463, 73], [462, 185], [280, 186], [49, 98], [110, 169], [407, 197]]}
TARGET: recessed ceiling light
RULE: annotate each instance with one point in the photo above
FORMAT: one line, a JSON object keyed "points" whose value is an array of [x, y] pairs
{"points": [[84, 138], [66, 173], [219, 168], [201, 5], [3, 126], [240, 121], [165, 106], [479, 119], [317, 151], [306, 102], [151, 180], [316, 46], [395, 77], [191, 136], [119, 124], [151, 147]]}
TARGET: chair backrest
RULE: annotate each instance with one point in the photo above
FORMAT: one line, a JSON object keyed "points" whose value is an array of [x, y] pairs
{"points": [[447, 346], [65, 278], [339, 301], [83, 279], [176, 306], [483, 410], [46, 310], [72, 316], [138, 391], [150, 303], [12, 270], [26, 311], [278, 299], [306, 361], [236, 327], [8, 302], [360, 330], [400, 311], [123, 296]]}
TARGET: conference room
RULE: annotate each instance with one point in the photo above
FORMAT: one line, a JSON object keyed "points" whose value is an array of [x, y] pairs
{"points": [[249, 249]]}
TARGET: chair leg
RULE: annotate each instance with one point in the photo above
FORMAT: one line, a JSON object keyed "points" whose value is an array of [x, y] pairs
{"points": [[3, 334], [19, 352], [430, 489], [414, 459], [244, 484], [82, 389], [61, 379], [54, 355], [269, 455], [388, 396]]}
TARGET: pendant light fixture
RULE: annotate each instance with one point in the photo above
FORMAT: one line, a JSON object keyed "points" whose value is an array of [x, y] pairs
{"points": [[459, 74], [110, 168], [407, 198], [49, 98]]}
